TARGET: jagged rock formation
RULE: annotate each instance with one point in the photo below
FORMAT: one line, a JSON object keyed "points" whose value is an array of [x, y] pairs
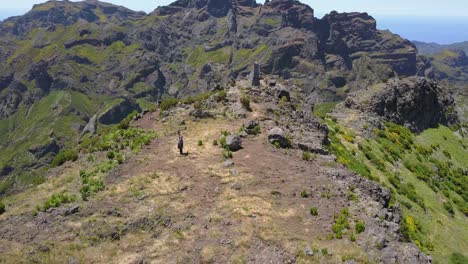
{"points": [[255, 75], [414, 102], [222, 33]]}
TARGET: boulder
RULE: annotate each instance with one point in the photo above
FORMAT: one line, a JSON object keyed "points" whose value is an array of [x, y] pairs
{"points": [[90, 127], [250, 127], [200, 114], [308, 251], [282, 92], [234, 142], [276, 136]]}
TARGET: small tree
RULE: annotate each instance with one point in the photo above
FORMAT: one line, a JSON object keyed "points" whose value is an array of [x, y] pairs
{"points": [[2, 207]]}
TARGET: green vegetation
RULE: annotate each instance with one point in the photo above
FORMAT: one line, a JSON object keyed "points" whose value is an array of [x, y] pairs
{"points": [[341, 223], [305, 194], [48, 119], [227, 154], [360, 227], [125, 123], [306, 155], [56, 200], [322, 109], [90, 184], [272, 21], [245, 57], [346, 157], [352, 196], [64, 156], [314, 211], [425, 174], [200, 143], [245, 101], [457, 258], [114, 142], [2, 207], [168, 103], [256, 130]]}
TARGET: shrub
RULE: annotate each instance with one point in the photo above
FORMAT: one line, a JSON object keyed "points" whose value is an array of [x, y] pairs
{"points": [[352, 196], [223, 143], [282, 102], [91, 187], [227, 154], [305, 194], [2, 208], [167, 103], [222, 96], [447, 154], [408, 228], [352, 237], [325, 251], [125, 123], [256, 130], [110, 155], [200, 143], [64, 156], [314, 211], [56, 200], [341, 223], [306, 155], [360, 227], [457, 258], [245, 101], [348, 138], [215, 142], [448, 206]]}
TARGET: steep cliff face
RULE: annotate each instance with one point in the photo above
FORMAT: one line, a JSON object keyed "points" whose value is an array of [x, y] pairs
{"points": [[414, 102], [117, 45]]}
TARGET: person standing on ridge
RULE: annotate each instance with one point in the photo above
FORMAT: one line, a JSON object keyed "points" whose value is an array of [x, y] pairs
{"points": [[180, 143]]}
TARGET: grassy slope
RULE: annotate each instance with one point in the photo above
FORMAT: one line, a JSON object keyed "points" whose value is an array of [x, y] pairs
{"points": [[437, 231], [50, 118], [427, 221]]}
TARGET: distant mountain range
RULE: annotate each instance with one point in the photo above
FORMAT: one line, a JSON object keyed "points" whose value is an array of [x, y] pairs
{"points": [[433, 48]]}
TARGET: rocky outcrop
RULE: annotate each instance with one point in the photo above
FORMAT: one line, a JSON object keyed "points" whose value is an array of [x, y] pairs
{"points": [[276, 136], [115, 114], [414, 102], [71, 43], [39, 74], [40, 151], [255, 75], [353, 35], [91, 127], [234, 142]]}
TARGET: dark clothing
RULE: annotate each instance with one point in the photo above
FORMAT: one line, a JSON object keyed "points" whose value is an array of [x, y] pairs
{"points": [[180, 144]]}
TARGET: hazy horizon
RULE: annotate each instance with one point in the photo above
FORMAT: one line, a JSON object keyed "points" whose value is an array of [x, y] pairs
{"points": [[427, 23]]}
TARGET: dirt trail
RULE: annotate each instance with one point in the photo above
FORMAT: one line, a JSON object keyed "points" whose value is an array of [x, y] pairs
{"points": [[161, 207], [249, 211]]}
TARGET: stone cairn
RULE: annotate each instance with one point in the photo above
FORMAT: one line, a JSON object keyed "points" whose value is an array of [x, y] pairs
{"points": [[255, 75]]}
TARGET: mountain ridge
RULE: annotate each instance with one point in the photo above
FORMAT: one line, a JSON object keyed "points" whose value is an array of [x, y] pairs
{"points": [[271, 100]]}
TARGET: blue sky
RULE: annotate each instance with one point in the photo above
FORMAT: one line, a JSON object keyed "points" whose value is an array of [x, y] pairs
{"points": [[426, 20]]}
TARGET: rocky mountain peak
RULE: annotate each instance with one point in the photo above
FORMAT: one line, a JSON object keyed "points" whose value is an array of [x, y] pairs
{"points": [[415, 102], [216, 8]]}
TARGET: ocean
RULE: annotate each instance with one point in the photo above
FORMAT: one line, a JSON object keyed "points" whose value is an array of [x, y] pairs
{"points": [[441, 30]]}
